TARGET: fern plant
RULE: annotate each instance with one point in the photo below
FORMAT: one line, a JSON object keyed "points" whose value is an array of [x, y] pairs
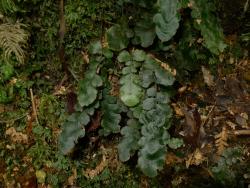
{"points": [[13, 39], [13, 36], [7, 6]]}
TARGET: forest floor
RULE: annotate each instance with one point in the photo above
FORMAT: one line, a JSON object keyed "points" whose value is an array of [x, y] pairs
{"points": [[211, 115]]}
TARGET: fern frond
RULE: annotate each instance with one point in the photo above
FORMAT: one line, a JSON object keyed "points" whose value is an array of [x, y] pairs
{"points": [[221, 141], [13, 40], [7, 6]]}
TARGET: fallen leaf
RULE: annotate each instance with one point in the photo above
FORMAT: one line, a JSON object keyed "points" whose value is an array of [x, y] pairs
{"points": [[208, 77], [192, 126], [195, 158], [85, 57], [231, 124], [177, 110], [241, 119], [96, 121], [182, 89], [114, 80]]}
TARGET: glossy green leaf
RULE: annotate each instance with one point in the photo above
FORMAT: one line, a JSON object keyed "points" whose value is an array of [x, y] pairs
{"points": [[148, 103], [164, 77], [96, 80], [130, 92], [166, 21], [124, 56], [153, 150], [129, 142], [72, 130], [95, 47], [147, 77], [145, 31], [111, 115], [154, 118], [107, 53], [151, 163], [138, 55], [116, 37], [87, 93]]}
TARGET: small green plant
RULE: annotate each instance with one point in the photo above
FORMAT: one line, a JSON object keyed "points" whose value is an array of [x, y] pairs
{"points": [[145, 93], [227, 168], [145, 86]]}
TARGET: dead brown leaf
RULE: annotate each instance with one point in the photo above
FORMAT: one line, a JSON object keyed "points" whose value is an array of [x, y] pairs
{"points": [[207, 76], [96, 121], [242, 120], [191, 131], [195, 158], [114, 80], [177, 109], [85, 57]]}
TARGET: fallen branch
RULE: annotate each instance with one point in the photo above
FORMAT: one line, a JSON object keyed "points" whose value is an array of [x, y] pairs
{"points": [[33, 106], [242, 132]]}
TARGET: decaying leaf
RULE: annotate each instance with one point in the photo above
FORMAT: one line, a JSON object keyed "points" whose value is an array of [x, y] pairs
{"points": [[221, 141], [192, 126], [208, 77], [231, 124], [95, 122], [114, 80], [16, 137], [195, 158], [177, 110], [241, 119], [85, 57]]}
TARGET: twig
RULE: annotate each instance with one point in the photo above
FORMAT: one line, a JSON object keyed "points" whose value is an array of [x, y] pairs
{"points": [[73, 74], [33, 106], [242, 132], [208, 115]]}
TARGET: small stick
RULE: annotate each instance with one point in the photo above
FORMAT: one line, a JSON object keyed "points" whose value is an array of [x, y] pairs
{"points": [[208, 115], [33, 106], [242, 132]]}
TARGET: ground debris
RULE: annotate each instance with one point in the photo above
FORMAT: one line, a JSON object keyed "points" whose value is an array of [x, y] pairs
{"points": [[16, 137]]}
